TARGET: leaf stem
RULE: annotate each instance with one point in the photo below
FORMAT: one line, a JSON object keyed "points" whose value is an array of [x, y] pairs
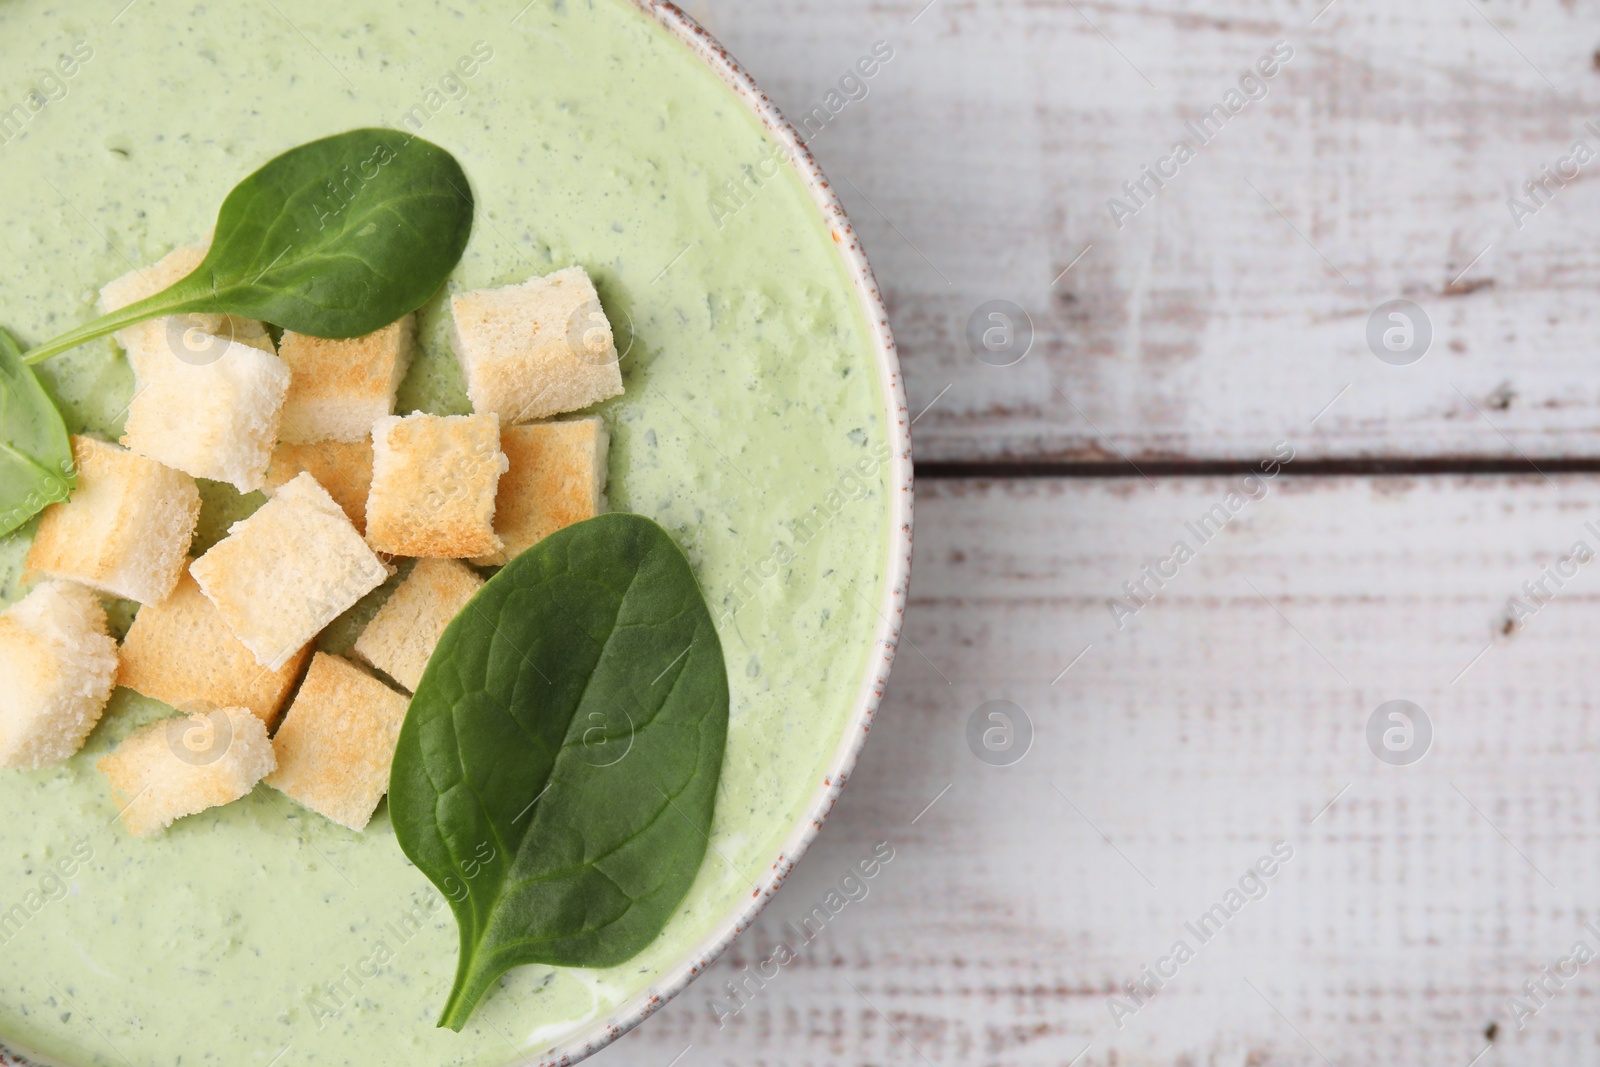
{"points": [[180, 298], [471, 984]]}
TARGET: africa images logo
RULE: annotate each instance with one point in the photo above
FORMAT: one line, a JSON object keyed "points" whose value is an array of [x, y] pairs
{"points": [[49, 87]]}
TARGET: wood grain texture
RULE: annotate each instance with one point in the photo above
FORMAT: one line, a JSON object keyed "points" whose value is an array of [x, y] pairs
{"points": [[1225, 716], [1233, 308]]}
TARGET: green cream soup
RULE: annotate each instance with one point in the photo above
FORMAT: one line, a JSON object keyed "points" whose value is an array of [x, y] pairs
{"points": [[752, 428]]}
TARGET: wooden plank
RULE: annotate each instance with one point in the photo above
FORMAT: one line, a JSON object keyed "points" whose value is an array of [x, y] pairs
{"points": [[1228, 714], [1231, 310]]}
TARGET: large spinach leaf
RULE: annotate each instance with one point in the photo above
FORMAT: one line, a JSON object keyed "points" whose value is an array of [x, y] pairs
{"points": [[336, 238], [557, 769], [35, 453]]}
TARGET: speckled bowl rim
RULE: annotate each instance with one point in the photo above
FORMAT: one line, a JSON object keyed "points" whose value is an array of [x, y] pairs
{"points": [[891, 608], [591, 1038]]}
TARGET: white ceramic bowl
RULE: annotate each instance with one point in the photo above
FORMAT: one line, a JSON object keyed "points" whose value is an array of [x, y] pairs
{"points": [[591, 1037]]}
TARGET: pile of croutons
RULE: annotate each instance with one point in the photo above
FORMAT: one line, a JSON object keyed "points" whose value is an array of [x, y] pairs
{"points": [[228, 638]]}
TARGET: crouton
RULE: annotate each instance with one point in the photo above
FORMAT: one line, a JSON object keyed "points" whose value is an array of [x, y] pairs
{"points": [[557, 477], [56, 670], [187, 336], [433, 485], [216, 419], [338, 389], [287, 571], [343, 468], [175, 767], [404, 633], [180, 652], [337, 743], [143, 282], [126, 529], [537, 349]]}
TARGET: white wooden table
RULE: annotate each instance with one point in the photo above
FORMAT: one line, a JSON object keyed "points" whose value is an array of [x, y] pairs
{"points": [[1175, 744]]}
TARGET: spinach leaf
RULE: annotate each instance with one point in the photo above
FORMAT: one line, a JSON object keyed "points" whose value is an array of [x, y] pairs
{"points": [[557, 769], [35, 453], [336, 238]]}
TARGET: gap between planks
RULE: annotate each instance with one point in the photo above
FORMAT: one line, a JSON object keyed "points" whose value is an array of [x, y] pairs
{"points": [[946, 470]]}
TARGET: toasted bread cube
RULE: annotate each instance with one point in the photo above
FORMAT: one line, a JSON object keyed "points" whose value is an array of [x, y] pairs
{"points": [[338, 389], [537, 349], [180, 652], [343, 468], [188, 336], [405, 631], [175, 767], [126, 529], [287, 571], [337, 743], [215, 419], [557, 477], [57, 666], [434, 479]]}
